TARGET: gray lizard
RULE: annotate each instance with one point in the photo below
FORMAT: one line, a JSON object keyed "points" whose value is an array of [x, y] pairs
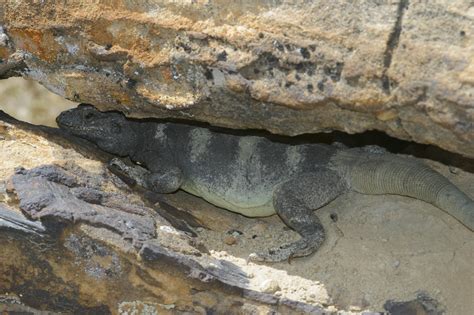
{"points": [[257, 177]]}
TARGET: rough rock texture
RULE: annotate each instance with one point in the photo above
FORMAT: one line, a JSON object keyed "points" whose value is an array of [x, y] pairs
{"points": [[403, 67]]}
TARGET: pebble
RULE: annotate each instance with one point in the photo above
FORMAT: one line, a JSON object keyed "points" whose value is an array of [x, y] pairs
{"points": [[234, 233], [230, 240], [269, 286], [9, 188], [355, 308]]}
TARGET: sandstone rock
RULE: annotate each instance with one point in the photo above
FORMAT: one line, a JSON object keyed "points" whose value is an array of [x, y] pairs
{"points": [[405, 68], [230, 240]]}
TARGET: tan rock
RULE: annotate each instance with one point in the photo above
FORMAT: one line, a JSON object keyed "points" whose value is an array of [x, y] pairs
{"points": [[230, 240], [403, 68], [269, 286]]}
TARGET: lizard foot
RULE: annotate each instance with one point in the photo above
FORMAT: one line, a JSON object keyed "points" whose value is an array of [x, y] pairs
{"points": [[303, 247], [133, 175], [130, 173]]}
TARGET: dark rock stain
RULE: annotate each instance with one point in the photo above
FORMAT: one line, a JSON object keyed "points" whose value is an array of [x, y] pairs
{"points": [[131, 83], [185, 47], [278, 46], [305, 53], [321, 86], [208, 74], [264, 64], [334, 72], [222, 56]]}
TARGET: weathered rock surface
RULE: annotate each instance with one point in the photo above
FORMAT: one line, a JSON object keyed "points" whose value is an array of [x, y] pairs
{"points": [[403, 67]]}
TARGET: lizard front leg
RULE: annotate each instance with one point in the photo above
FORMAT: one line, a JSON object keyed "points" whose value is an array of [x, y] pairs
{"points": [[294, 201], [163, 182]]}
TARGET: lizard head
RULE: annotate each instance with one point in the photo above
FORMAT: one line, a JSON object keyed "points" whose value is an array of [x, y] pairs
{"points": [[109, 130]]}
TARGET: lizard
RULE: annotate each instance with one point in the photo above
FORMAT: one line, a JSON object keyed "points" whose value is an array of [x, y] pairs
{"points": [[257, 176]]}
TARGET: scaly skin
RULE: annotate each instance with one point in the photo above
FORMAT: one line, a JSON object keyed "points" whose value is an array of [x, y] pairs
{"points": [[256, 176]]}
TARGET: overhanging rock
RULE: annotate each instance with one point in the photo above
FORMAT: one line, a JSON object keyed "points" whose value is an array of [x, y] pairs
{"points": [[405, 68]]}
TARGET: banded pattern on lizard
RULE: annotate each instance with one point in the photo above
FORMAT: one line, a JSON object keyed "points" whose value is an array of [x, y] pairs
{"points": [[256, 176]]}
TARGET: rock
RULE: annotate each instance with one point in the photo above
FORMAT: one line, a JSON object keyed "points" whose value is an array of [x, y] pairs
{"points": [[269, 286], [405, 68], [230, 240], [42, 198], [423, 304]]}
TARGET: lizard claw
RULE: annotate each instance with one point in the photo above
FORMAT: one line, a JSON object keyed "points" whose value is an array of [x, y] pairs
{"points": [[254, 257], [303, 247], [282, 253]]}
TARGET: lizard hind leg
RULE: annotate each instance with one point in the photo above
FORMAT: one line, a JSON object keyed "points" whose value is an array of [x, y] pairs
{"points": [[294, 202]]}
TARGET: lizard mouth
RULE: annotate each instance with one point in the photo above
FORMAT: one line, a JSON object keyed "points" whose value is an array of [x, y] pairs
{"points": [[68, 126], [62, 121], [68, 122], [63, 124]]}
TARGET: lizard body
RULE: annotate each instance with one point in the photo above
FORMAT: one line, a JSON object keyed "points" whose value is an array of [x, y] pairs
{"points": [[256, 176]]}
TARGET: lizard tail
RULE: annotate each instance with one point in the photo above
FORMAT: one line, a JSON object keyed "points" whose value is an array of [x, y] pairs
{"points": [[385, 174]]}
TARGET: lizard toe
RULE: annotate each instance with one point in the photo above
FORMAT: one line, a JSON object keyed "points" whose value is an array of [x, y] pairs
{"points": [[303, 247]]}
